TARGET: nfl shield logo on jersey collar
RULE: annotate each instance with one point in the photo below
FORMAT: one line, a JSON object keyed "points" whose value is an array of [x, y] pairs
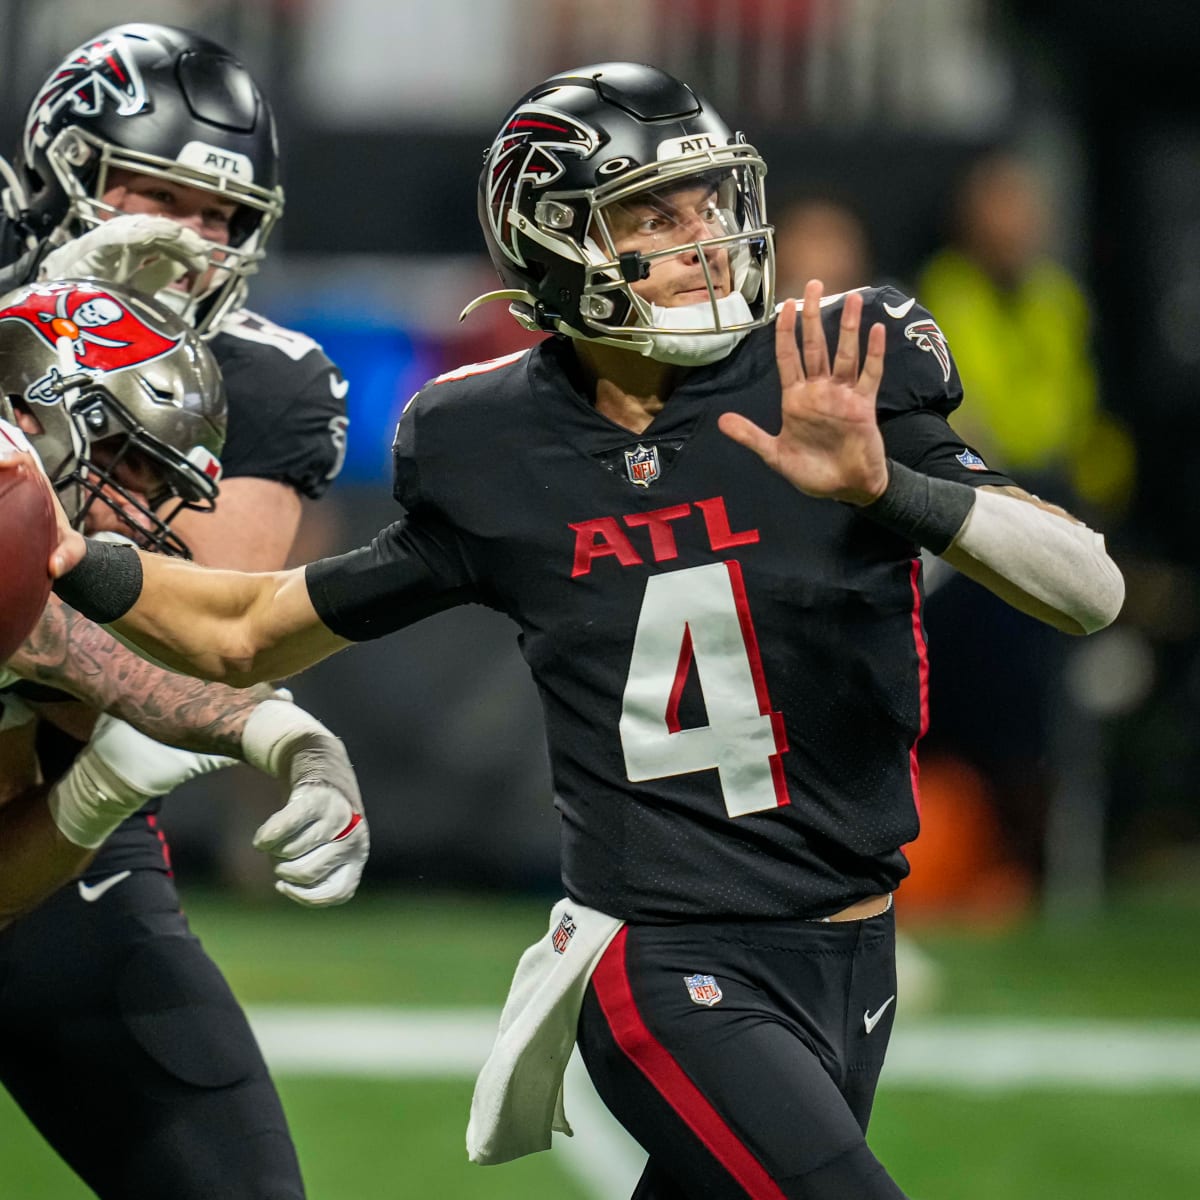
{"points": [[642, 465], [703, 989]]}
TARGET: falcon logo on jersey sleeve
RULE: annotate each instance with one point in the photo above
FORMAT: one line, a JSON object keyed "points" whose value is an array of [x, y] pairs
{"points": [[98, 73], [930, 338], [523, 155]]}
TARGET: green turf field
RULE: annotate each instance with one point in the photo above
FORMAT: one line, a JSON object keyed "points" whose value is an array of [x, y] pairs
{"points": [[362, 1138]]}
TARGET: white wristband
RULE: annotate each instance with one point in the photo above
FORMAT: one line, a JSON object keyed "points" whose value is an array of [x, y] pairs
{"points": [[271, 731]]}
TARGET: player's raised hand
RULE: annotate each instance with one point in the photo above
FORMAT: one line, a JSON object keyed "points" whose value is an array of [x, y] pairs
{"points": [[829, 444]]}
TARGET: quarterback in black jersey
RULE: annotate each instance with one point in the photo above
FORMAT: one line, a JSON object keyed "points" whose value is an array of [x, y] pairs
{"points": [[149, 157], [707, 525]]}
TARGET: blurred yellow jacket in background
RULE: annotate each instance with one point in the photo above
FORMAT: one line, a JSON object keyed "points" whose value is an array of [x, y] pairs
{"points": [[1031, 399]]}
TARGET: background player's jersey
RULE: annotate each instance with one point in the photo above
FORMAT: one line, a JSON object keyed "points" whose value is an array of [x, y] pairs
{"points": [[287, 405], [733, 674]]}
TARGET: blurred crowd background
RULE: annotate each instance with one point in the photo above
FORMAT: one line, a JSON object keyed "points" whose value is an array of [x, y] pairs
{"points": [[1031, 172]]}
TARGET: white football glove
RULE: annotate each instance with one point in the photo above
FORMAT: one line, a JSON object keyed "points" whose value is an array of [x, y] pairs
{"points": [[147, 253], [320, 837]]}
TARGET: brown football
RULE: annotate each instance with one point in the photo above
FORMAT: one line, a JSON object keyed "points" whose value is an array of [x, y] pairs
{"points": [[27, 535]]}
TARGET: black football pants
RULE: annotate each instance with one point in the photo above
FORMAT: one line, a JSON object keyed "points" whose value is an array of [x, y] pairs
{"points": [[743, 1056], [124, 1046]]}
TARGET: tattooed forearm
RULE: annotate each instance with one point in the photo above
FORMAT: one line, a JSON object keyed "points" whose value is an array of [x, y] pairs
{"points": [[68, 651]]}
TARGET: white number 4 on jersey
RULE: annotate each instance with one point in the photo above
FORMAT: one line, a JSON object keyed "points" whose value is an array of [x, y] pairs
{"points": [[699, 618]]}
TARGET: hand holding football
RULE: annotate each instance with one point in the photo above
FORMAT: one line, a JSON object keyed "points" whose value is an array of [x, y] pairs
{"points": [[27, 536]]}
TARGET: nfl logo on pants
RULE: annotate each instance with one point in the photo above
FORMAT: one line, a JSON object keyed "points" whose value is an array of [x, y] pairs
{"points": [[703, 989]]}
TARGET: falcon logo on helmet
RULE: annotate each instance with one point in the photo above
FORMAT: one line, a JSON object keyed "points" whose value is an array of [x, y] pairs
{"points": [[523, 155], [104, 334], [930, 338], [97, 73]]}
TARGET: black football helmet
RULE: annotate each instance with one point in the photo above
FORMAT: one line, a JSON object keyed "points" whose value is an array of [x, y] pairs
{"points": [[157, 101], [119, 389], [608, 139]]}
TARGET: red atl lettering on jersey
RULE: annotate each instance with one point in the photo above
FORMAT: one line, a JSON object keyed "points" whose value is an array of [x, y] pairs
{"points": [[662, 536], [603, 537]]}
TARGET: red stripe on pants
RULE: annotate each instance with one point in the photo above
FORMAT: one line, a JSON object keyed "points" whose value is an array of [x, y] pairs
{"points": [[611, 982]]}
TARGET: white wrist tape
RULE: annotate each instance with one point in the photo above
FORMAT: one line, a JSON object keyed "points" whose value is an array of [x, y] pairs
{"points": [[271, 734], [115, 774], [1062, 564], [147, 766], [91, 800]]}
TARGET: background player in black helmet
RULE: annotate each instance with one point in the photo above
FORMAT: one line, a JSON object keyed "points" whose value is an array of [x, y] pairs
{"points": [[149, 156], [728, 645]]}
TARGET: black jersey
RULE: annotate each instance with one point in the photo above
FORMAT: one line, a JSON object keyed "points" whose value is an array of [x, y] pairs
{"points": [[733, 674], [287, 405]]}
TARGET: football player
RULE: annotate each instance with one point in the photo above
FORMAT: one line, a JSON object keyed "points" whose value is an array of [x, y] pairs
{"points": [[123, 405], [149, 156], [707, 521]]}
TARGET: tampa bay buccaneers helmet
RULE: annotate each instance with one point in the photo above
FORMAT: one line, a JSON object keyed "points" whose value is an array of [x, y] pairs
{"points": [[157, 101], [573, 158], [125, 399]]}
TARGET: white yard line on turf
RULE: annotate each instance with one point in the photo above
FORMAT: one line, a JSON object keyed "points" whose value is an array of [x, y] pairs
{"points": [[978, 1054], [975, 1053]]}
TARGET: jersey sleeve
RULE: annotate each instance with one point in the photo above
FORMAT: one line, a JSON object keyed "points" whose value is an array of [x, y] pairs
{"points": [[926, 442], [297, 438], [919, 372], [406, 480], [411, 570], [287, 406], [414, 568]]}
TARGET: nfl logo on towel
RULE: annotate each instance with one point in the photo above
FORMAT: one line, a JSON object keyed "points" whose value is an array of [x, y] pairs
{"points": [[703, 989], [562, 936], [641, 465]]}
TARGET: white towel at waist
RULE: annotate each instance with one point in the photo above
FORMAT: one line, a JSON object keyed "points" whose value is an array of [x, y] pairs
{"points": [[518, 1094]]}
